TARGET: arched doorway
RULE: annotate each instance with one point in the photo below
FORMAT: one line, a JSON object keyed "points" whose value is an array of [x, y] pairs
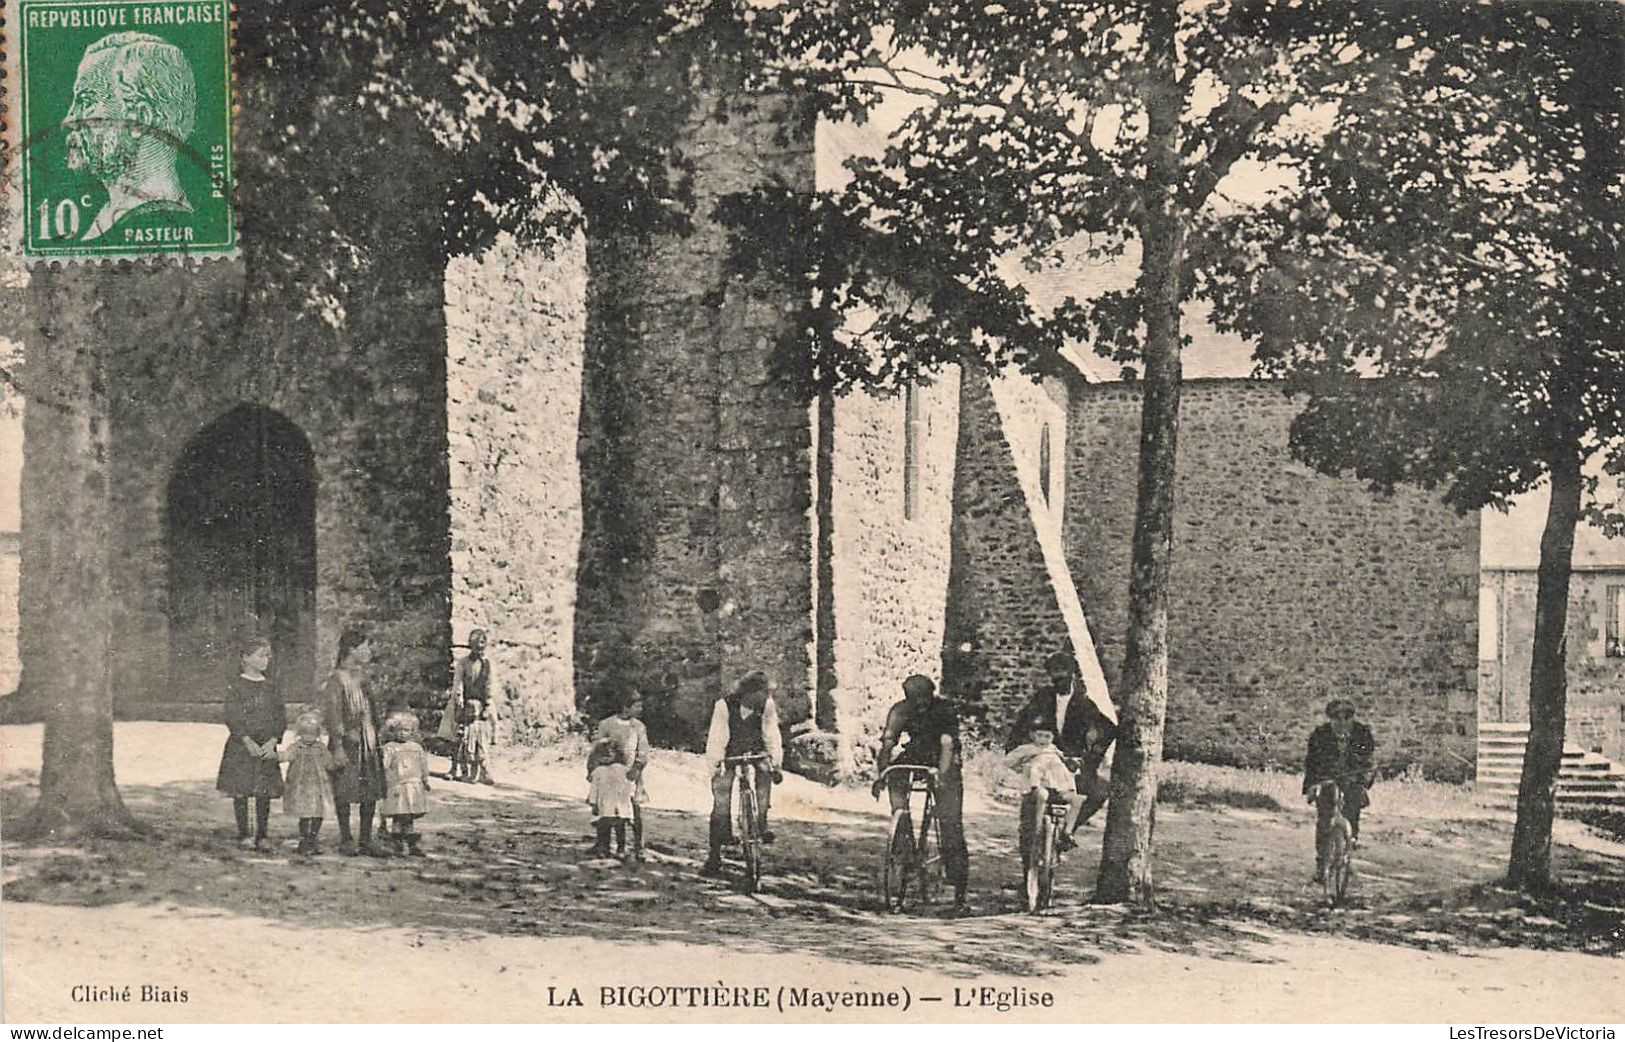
{"points": [[241, 539]]}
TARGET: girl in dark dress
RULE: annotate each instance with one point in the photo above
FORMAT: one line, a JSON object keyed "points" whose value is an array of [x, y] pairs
{"points": [[249, 767], [352, 728]]}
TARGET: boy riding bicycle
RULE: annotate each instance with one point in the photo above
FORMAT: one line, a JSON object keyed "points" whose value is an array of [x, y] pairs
{"points": [[744, 723], [1047, 774]]}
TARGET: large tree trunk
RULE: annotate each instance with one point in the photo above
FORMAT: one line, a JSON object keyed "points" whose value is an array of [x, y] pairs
{"points": [[1126, 848], [1531, 865], [66, 536]]}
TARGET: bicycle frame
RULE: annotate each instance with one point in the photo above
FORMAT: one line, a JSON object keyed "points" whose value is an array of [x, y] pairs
{"points": [[1042, 854], [910, 858], [749, 815], [1334, 856]]}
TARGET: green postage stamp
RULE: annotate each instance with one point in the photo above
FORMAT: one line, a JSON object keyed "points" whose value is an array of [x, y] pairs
{"points": [[120, 128]]}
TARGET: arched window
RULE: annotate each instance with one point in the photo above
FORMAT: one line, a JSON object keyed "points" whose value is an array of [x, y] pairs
{"points": [[911, 453], [1043, 463]]}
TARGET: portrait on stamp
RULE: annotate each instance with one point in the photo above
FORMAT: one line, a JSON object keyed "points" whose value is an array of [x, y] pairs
{"points": [[134, 105]]}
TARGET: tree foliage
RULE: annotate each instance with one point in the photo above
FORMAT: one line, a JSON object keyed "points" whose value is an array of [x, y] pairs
{"points": [[1459, 234], [1457, 231], [1418, 191]]}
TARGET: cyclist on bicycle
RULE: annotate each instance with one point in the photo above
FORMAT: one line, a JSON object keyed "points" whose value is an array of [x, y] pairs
{"points": [[1083, 734], [743, 723], [1340, 751], [932, 728], [1046, 773]]}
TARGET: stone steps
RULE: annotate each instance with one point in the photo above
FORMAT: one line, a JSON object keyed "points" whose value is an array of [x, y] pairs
{"points": [[1585, 779]]}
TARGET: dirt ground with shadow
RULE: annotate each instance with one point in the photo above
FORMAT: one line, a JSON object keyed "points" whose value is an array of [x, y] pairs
{"points": [[509, 903]]}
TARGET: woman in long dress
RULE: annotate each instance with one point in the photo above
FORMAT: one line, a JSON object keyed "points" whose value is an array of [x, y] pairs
{"points": [[352, 729]]}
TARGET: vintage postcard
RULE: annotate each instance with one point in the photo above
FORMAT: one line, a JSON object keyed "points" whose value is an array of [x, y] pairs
{"points": [[813, 511]]}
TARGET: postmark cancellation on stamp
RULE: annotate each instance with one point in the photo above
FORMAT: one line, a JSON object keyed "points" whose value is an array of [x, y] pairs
{"points": [[119, 128]]}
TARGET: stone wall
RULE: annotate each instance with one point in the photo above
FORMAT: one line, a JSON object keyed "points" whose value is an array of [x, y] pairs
{"points": [[515, 320], [1596, 680], [1005, 612], [1288, 587], [333, 318], [696, 558], [890, 569]]}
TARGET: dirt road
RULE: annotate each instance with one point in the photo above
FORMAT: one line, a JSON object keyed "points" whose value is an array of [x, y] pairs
{"points": [[509, 906]]}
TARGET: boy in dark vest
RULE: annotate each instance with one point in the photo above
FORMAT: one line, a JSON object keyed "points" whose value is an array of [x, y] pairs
{"points": [[470, 683], [743, 722]]}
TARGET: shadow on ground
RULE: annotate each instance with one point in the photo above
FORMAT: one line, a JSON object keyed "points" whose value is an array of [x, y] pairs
{"points": [[510, 861]]}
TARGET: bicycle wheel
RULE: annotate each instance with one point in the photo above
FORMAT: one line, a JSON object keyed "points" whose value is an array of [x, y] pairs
{"points": [[750, 838], [928, 855], [899, 858], [1342, 874], [1335, 873], [1041, 862]]}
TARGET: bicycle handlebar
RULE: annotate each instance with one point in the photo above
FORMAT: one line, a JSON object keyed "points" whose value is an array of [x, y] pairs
{"points": [[908, 767], [748, 758]]}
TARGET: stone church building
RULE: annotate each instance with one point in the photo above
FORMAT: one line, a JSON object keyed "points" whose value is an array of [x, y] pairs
{"points": [[588, 455]]}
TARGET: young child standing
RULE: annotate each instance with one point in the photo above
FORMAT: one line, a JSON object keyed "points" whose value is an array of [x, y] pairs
{"points": [[609, 793], [478, 737], [406, 782], [308, 791]]}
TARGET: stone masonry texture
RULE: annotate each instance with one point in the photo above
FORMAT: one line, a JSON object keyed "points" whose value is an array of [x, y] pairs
{"points": [[1289, 587], [516, 319], [696, 556], [293, 327], [890, 570], [1003, 614], [1596, 680]]}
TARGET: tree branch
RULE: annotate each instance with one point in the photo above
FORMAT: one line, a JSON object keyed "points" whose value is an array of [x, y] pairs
{"points": [[1236, 123]]}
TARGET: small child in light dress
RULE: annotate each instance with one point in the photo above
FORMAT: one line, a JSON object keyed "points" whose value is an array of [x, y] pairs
{"points": [[478, 737], [610, 793], [406, 782], [1043, 770], [308, 795]]}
